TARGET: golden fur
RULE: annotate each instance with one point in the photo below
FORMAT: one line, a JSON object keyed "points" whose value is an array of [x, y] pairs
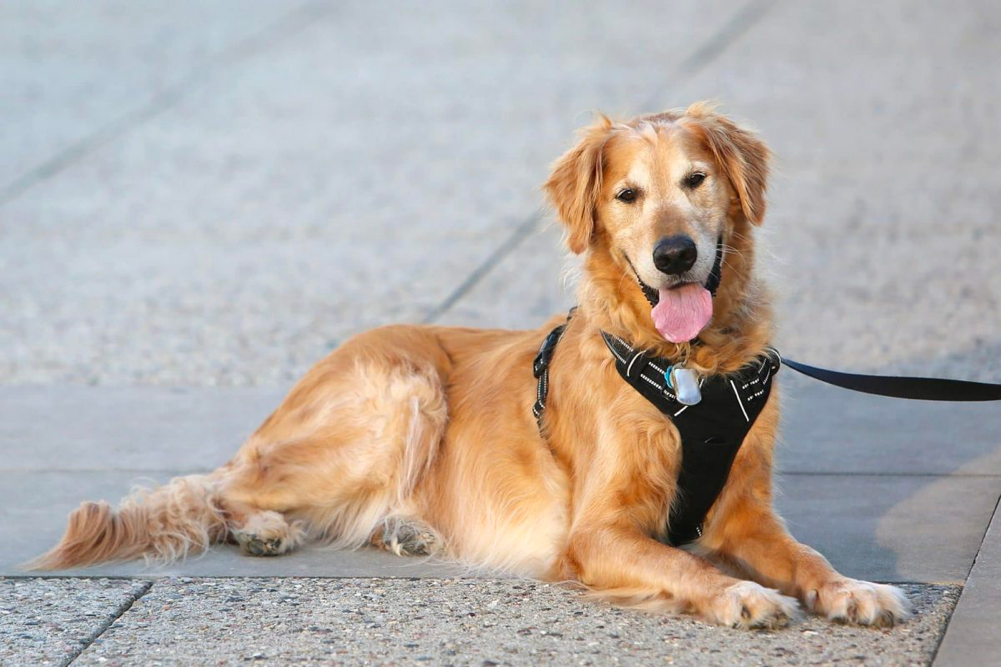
{"points": [[422, 439]]}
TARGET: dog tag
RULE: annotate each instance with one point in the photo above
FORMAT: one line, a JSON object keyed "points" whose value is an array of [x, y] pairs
{"points": [[685, 383]]}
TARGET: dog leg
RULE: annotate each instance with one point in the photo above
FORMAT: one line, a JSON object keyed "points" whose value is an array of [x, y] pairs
{"points": [[761, 547], [626, 567], [751, 539], [344, 452], [744, 533]]}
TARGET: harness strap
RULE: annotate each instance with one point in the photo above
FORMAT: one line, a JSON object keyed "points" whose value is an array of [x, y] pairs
{"points": [[638, 368], [540, 368]]}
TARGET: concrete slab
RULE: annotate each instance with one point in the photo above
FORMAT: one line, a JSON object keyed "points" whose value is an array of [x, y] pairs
{"points": [[972, 639], [138, 429], [332, 182], [831, 430], [356, 622], [50, 621], [70, 71], [878, 527]]}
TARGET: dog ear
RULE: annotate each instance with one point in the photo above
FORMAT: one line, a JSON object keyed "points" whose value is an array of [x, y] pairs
{"points": [[741, 154], [575, 183]]}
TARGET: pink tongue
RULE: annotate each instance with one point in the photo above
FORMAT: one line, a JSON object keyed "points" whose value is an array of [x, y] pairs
{"points": [[682, 312]]}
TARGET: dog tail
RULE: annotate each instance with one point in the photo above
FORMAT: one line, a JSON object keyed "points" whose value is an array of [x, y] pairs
{"points": [[160, 525]]}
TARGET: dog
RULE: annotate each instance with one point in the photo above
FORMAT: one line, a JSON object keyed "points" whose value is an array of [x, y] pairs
{"points": [[422, 439]]}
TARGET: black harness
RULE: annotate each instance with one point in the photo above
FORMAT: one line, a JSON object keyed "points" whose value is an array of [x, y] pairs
{"points": [[711, 431]]}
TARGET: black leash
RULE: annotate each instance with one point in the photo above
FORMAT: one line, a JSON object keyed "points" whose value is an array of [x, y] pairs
{"points": [[917, 388]]}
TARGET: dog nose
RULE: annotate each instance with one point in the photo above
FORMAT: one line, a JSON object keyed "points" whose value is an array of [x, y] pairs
{"points": [[675, 254]]}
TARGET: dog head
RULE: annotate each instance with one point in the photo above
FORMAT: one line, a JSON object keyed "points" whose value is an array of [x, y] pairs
{"points": [[660, 201]]}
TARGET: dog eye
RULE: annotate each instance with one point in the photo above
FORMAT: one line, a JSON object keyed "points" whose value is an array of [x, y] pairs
{"points": [[627, 195], [695, 179]]}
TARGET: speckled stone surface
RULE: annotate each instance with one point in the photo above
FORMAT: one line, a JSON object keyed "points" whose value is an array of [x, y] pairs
{"points": [[458, 622], [49, 621]]}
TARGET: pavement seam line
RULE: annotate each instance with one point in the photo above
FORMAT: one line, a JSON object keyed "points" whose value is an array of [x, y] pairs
{"points": [[983, 538], [736, 26], [973, 565], [493, 259], [118, 613], [164, 99]]}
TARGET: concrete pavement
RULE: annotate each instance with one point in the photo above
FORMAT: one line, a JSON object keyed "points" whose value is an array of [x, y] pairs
{"points": [[196, 203]]}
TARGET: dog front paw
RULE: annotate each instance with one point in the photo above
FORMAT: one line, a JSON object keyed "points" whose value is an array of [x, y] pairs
{"points": [[751, 606], [853, 601]]}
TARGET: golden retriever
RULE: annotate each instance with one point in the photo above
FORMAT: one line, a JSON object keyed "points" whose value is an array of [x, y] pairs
{"points": [[422, 439]]}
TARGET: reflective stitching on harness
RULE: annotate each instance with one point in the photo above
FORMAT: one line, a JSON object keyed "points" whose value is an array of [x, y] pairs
{"points": [[636, 356], [658, 386], [739, 402]]}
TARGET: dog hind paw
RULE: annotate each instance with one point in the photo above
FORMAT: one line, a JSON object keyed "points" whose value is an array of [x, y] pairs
{"points": [[408, 538], [268, 534]]}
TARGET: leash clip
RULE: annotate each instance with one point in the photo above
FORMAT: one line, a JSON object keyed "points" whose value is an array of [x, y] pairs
{"points": [[685, 383]]}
